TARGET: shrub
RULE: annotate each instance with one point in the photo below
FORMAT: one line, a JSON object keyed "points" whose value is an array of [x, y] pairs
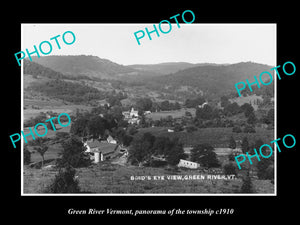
{"points": [[236, 129], [249, 129], [229, 169], [27, 156], [64, 182]]}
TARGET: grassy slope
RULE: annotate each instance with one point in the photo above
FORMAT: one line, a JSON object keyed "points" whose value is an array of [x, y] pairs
{"points": [[108, 178]]}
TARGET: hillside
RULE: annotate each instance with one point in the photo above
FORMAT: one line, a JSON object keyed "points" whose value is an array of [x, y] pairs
{"points": [[167, 68], [36, 69], [211, 79], [82, 65]]}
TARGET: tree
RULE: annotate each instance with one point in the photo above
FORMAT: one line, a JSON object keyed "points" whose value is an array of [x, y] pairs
{"points": [[73, 154], [205, 113], [79, 126], [224, 101], [230, 169], [27, 156], [249, 129], [192, 103], [269, 118], [41, 147], [251, 118], [176, 153], [64, 182], [247, 186], [42, 150], [161, 145], [236, 129], [177, 106], [232, 109], [232, 143], [96, 126], [165, 105], [144, 104], [247, 109], [257, 144], [265, 169], [245, 145], [204, 155], [141, 148]]}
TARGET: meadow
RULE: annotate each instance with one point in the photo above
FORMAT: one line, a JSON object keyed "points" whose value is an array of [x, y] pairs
{"points": [[216, 136], [173, 113]]}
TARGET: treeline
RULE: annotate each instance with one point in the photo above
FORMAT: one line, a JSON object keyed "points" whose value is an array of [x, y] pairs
{"points": [[145, 104], [68, 91], [146, 149]]}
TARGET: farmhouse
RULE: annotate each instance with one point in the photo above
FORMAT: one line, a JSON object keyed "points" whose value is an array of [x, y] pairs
{"points": [[188, 164], [100, 151]]}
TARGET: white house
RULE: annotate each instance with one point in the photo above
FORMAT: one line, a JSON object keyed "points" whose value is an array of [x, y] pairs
{"points": [[188, 164], [100, 151], [134, 113], [111, 140]]}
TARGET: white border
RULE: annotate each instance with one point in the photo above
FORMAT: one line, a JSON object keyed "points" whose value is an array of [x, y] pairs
{"points": [[154, 194]]}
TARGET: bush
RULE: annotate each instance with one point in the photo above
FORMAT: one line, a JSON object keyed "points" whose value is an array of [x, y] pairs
{"points": [[191, 128], [64, 182], [229, 169], [236, 129], [27, 156], [157, 163], [249, 129]]}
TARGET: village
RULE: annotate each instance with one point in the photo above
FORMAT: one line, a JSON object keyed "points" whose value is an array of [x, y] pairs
{"points": [[184, 141], [101, 149]]}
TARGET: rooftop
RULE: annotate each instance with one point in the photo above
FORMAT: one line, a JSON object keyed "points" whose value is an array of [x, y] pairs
{"points": [[103, 147]]}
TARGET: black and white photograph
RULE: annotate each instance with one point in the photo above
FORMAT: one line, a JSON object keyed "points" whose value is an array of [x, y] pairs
{"points": [[150, 110]]}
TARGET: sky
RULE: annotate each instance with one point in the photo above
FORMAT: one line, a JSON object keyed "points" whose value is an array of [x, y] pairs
{"points": [[193, 43]]}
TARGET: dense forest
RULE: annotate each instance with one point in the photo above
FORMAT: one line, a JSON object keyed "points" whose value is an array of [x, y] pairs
{"points": [[68, 91]]}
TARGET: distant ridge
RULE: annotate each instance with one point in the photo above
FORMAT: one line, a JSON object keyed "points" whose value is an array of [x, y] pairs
{"points": [[213, 80], [83, 65], [169, 67]]}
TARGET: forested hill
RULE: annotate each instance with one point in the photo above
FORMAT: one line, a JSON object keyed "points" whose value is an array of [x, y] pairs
{"points": [[36, 69], [216, 80], [82, 65], [169, 67]]}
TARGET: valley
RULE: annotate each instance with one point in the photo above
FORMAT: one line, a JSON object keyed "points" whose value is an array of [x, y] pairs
{"points": [[177, 106]]}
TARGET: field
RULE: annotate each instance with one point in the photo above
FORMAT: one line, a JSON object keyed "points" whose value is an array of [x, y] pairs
{"points": [[173, 113], [217, 137], [110, 178]]}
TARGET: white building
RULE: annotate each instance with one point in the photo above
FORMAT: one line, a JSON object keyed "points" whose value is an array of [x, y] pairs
{"points": [[111, 140], [134, 113], [131, 116], [188, 164]]}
